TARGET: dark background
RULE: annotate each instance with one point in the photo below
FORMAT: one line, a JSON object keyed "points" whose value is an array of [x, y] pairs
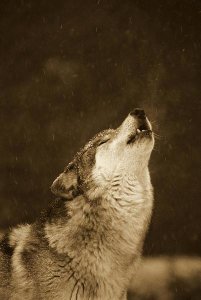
{"points": [[72, 68]]}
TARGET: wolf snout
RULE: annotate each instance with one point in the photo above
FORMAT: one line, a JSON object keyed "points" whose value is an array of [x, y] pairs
{"points": [[139, 113]]}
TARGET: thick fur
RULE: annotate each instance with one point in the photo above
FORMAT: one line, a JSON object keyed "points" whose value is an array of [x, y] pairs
{"points": [[88, 244]]}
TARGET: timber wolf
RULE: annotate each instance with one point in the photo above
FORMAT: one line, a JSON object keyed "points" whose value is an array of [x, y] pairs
{"points": [[88, 243]]}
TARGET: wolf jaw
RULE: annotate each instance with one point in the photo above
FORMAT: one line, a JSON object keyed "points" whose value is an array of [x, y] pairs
{"points": [[127, 154]]}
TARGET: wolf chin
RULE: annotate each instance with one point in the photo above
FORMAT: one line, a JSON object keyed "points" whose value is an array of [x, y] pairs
{"points": [[88, 244]]}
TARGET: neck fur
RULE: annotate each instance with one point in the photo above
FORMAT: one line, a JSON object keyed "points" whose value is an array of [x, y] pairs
{"points": [[104, 236]]}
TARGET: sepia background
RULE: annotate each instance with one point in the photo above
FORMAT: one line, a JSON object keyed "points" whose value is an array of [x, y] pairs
{"points": [[72, 68]]}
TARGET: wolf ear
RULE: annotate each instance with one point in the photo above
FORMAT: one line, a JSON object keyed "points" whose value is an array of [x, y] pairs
{"points": [[65, 185]]}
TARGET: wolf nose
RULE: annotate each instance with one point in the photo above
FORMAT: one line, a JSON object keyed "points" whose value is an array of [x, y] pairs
{"points": [[138, 112]]}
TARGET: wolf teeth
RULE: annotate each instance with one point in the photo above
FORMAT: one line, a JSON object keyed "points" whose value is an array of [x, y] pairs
{"points": [[143, 130]]}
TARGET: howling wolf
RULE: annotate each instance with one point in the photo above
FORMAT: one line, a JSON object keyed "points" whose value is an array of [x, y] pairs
{"points": [[88, 244]]}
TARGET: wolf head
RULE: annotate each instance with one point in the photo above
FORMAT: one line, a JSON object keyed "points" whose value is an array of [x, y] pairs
{"points": [[107, 158]]}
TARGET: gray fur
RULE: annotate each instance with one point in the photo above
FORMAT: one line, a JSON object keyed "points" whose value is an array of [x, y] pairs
{"points": [[88, 244]]}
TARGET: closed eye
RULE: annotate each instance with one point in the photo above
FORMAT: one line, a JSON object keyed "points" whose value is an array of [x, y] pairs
{"points": [[103, 142]]}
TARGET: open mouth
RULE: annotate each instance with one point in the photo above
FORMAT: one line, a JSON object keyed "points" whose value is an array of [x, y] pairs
{"points": [[142, 131]]}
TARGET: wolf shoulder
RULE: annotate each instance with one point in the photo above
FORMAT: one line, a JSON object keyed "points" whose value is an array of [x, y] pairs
{"points": [[14, 244]]}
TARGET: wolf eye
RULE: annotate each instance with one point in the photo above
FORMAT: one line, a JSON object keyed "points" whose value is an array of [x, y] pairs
{"points": [[103, 142]]}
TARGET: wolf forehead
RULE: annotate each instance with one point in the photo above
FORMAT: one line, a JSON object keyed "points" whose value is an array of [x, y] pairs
{"points": [[88, 152]]}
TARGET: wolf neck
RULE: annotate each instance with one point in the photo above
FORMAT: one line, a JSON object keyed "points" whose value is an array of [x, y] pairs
{"points": [[104, 235], [121, 182]]}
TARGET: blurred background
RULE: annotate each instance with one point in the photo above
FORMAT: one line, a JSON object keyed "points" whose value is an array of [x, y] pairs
{"points": [[72, 68]]}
